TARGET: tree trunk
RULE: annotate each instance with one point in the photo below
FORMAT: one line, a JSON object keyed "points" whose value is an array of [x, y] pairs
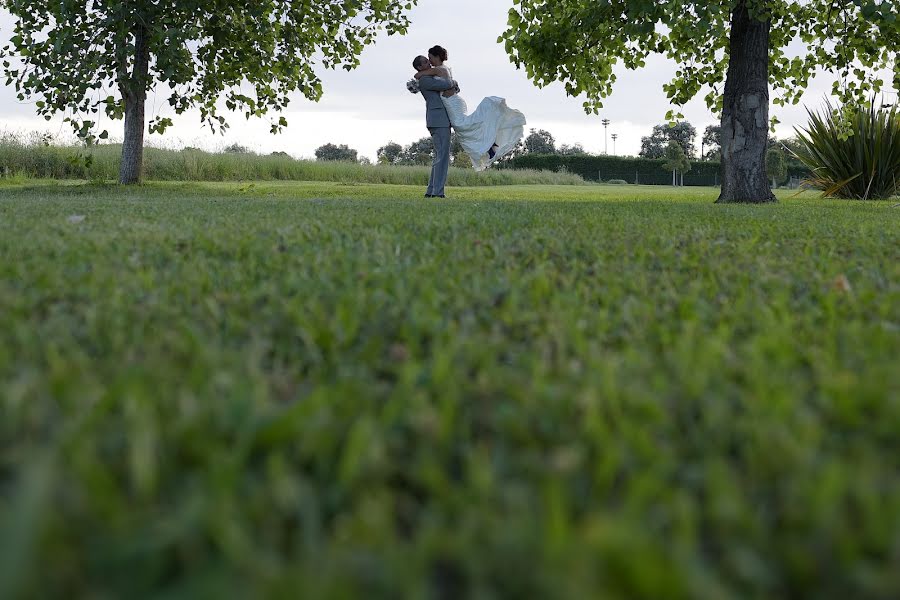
{"points": [[134, 92], [745, 111]]}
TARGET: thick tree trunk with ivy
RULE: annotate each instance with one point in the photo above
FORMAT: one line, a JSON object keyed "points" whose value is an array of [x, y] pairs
{"points": [[134, 93], [745, 111]]}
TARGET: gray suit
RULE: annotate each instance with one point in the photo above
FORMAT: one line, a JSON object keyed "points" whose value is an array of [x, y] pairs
{"points": [[438, 124]]}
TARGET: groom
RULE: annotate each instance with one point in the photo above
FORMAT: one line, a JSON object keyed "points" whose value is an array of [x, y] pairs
{"points": [[438, 123]]}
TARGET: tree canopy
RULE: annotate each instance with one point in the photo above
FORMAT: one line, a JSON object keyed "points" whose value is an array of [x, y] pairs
{"points": [[712, 142], [573, 150], [81, 58], [776, 168], [333, 152], [675, 160], [420, 152], [579, 42], [735, 50], [654, 145], [539, 141], [390, 153]]}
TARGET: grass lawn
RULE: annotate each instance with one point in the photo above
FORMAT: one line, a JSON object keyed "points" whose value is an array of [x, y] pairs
{"points": [[346, 391]]}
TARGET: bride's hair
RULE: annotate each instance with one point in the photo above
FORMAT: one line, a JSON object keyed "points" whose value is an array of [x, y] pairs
{"points": [[438, 51]]}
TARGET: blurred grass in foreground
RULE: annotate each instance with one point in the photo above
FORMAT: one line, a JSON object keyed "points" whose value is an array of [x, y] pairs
{"points": [[231, 391]]}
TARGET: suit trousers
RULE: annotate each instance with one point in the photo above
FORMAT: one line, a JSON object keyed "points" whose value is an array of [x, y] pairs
{"points": [[441, 164]]}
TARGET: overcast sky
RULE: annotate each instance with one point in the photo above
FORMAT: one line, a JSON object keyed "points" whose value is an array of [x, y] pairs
{"points": [[370, 106]]}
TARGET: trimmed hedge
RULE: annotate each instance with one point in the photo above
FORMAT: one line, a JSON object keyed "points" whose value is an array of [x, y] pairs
{"points": [[633, 170]]}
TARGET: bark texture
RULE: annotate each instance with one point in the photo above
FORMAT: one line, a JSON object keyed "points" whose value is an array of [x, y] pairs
{"points": [[745, 111], [134, 92]]}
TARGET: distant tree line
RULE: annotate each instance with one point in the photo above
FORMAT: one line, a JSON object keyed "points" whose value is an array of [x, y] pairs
{"points": [[541, 141], [333, 152], [674, 144], [421, 151], [663, 140], [538, 141]]}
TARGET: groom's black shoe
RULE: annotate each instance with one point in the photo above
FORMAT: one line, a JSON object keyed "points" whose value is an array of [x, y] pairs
{"points": [[429, 196]]}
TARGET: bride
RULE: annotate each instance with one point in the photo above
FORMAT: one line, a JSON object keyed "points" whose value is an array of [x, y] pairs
{"points": [[489, 133]]}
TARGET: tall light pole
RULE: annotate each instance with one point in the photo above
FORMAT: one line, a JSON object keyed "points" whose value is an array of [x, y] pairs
{"points": [[615, 136], [605, 123]]}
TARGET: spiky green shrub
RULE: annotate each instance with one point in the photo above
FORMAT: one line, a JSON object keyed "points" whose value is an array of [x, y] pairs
{"points": [[853, 154]]}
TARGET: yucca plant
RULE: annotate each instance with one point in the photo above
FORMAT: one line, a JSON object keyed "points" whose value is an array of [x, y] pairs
{"points": [[853, 154]]}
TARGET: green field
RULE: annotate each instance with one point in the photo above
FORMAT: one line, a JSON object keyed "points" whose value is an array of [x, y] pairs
{"points": [[333, 390]]}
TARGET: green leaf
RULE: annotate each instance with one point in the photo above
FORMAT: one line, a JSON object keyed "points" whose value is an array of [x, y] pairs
{"points": [[202, 49]]}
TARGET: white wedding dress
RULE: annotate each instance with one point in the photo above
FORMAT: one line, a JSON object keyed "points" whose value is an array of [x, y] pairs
{"points": [[493, 122]]}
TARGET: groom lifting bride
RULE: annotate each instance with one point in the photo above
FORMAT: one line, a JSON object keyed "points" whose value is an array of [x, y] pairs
{"points": [[487, 134]]}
